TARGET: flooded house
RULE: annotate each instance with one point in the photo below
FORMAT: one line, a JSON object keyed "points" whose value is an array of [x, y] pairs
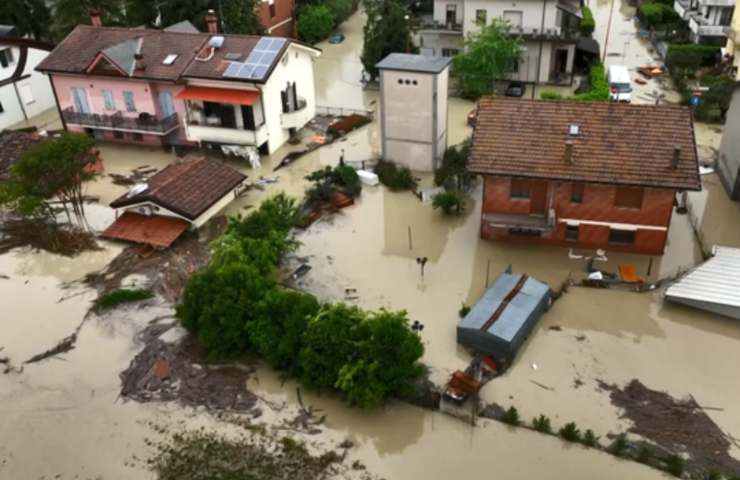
{"points": [[582, 174], [413, 98], [182, 196], [179, 87], [548, 29]]}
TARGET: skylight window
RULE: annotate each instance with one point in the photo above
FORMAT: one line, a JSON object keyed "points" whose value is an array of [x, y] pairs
{"points": [[574, 129], [170, 59]]}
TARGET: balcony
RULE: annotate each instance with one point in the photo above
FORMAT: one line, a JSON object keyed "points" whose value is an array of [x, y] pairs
{"points": [[683, 8], [430, 25], [717, 3], [700, 28], [553, 33], [543, 223], [298, 117], [145, 123], [226, 136]]}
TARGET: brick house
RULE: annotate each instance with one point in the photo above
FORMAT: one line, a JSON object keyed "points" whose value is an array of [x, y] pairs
{"points": [[586, 175], [278, 17]]}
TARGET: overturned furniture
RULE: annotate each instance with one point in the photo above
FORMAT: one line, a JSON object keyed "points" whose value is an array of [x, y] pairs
{"points": [[182, 196], [713, 286], [500, 322]]}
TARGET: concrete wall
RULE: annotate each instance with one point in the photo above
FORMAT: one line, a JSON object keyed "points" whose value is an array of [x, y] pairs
{"points": [[595, 214], [15, 102], [728, 163]]}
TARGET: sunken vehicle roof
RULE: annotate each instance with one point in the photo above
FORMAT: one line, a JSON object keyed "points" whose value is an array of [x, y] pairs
{"points": [[187, 188], [408, 62], [79, 50], [617, 143]]}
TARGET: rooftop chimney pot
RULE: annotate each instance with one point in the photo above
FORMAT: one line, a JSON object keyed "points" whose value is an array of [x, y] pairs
{"points": [[676, 156], [212, 22], [95, 20]]}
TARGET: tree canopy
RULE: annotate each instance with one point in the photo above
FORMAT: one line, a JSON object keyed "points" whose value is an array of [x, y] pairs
{"points": [[30, 17], [315, 23], [387, 31], [489, 55]]}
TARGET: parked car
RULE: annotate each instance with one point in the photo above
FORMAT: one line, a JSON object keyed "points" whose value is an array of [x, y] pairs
{"points": [[620, 84], [515, 89]]}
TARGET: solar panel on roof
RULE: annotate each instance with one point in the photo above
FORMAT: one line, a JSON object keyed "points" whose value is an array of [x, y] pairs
{"points": [[258, 62]]}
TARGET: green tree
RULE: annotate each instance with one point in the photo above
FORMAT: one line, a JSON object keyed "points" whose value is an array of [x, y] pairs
{"points": [[277, 333], [341, 9], [140, 12], [328, 344], [453, 173], [54, 168], [449, 202], [173, 11], [70, 13], [384, 361], [489, 55], [30, 17], [386, 31], [240, 16], [315, 23]]}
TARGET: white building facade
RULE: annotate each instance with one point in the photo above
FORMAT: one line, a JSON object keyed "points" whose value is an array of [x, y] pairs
{"points": [[710, 21], [28, 96], [548, 29]]}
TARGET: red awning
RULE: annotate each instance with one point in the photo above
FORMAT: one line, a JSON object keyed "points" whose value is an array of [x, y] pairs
{"points": [[219, 95], [159, 232]]}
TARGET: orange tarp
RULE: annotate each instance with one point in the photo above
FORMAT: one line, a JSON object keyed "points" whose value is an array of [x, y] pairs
{"points": [[159, 232], [463, 382], [219, 95], [628, 274]]}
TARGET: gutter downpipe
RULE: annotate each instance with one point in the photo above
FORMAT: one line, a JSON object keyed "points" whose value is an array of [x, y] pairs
{"points": [[539, 57]]}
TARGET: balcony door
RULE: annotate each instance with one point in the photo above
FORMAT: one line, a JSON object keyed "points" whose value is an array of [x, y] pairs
{"points": [[79, 97], [537, 197], [166, 105]]}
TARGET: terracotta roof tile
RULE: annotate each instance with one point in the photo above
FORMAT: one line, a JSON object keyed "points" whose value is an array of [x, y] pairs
{"points": [[152, 230], [187, 188], [617, 143]]}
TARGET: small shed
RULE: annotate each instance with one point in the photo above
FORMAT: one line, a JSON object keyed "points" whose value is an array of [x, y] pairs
{"points": [[413, 109], [500, 322], [713, 286]]}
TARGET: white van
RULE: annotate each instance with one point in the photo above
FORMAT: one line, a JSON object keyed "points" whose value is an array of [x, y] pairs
{"points": [[620, 84]]}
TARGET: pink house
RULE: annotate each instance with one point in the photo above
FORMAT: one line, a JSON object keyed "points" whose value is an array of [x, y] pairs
{"points": [[182, 87]]}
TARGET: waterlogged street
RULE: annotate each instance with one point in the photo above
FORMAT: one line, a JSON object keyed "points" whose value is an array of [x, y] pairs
{"points": [[64, 417]]}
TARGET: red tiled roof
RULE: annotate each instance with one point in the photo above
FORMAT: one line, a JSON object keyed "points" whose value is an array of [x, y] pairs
{"points": [[187, 188], [617, 143], [153, 230]]}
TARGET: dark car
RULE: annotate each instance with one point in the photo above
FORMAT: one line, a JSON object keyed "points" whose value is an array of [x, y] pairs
{"points": [[515, 89]]}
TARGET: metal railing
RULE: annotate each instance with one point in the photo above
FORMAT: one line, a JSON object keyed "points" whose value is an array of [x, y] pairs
{"points": [[144, 123], [341, 111]]}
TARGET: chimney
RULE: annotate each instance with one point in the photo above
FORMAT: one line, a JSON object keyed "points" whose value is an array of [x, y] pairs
{"points": [[95, 20], [138, 55], [676, 156], [569, 152], [212, 22]]}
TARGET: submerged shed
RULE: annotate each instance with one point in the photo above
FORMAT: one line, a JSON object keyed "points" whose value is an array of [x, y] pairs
{"points": [[713, 286], [504, 316]]}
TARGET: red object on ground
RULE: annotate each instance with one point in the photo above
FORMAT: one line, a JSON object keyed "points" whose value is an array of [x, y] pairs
{"points": [[159, 232], [95, 168], [340, 200], [490, 363], [162, 369], [463, 382], [219, 95]]}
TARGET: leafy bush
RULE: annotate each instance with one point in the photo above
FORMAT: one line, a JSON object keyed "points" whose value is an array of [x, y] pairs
{"points": [[395, 177], [713, 475], [675, 465], [123, 295], [315, 23], [327, 181], [588, 24], [619, 445], [551, 96], [715, 102], [570, 432], [464, 310], [691, 57], [644, 454], [453, 173], [658, 15], [341, 9], [511, 416], [449, 202], [590, 439], [599, 91], [542, 424], [347, 178]]}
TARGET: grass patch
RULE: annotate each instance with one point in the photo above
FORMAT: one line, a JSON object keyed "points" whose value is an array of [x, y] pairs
{"points": [[124, 295]]}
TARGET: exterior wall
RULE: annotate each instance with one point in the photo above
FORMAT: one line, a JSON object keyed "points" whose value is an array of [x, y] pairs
{"points": [[409, 134], [282, 24], [728, 163], [295, 66], [433, 43], [13, 102], [594, 215], [440, 10], [441, 98], [531, 13]]}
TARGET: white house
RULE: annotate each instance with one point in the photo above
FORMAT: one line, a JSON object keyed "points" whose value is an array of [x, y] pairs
{"points": [[28, 95], [548, 28], [709, 20]]}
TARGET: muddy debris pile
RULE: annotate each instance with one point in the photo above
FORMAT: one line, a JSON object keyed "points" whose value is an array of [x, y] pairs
{"points": [[138, 175], [16, 232], [177, 371], [679, 426]]}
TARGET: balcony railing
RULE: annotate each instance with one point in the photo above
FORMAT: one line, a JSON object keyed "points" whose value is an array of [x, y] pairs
{"points": [[700, 28], [441, 26], [145, 123], [717, 3], [682, 8], [226, 136], [298, 117], [552, 33], [543, 223]]}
